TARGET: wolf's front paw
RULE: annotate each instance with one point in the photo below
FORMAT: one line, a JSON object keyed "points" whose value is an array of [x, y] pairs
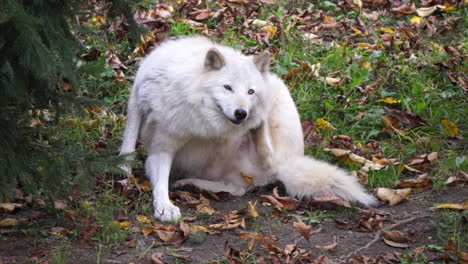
{"points": [[166, 212]]}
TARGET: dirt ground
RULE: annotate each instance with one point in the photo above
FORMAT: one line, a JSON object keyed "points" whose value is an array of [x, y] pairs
{"points": [[17, 247]]}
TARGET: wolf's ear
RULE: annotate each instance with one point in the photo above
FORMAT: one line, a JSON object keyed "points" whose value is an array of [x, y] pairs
{"points": [[262, 61], [214, 60]]}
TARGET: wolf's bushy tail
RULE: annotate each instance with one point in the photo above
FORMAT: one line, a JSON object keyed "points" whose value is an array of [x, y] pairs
{"points": [[306, 177]]}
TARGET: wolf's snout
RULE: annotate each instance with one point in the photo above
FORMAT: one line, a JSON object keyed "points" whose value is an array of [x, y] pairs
{"points": [[240, 114]]}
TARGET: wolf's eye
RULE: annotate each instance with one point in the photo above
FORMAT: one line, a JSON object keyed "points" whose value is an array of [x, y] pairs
{"points": [[251, 91], [228, 87]]}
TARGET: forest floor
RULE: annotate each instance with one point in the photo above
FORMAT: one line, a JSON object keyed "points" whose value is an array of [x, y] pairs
{"points": [[375, 82]]}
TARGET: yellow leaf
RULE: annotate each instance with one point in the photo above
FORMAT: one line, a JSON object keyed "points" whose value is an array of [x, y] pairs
{"points": [[366, 65], [460, 206], [7, 222], [246, 178], [270, 29], [393, 197], [416, 20], [146, 185], [252, 210], [357, 31], [10, 206], [389, 100], [332, 81], [147, 230], [171, 9], [449, 7], [450, 128], [98, 20], [143, 219], [386, 30], [125, 224], [322, 124], [199, 228]]}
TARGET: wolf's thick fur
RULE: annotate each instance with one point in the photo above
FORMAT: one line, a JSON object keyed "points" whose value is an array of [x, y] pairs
{"points": [[214, 113]]}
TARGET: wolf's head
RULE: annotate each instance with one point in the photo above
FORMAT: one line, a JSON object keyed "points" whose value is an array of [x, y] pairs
{"points": [[237, 84]]}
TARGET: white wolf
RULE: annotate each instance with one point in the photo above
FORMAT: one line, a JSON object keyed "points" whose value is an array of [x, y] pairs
{"points": [[214, 113]]}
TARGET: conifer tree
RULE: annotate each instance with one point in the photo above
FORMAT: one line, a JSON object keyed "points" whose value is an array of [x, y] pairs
{"points": [[37, 55]]}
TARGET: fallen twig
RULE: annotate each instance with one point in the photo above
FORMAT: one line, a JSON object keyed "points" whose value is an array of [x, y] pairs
{"points": [[378, 234]]}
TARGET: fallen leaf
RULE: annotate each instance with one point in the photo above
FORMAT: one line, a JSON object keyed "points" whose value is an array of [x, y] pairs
{"points": [[453, 206], [166, 236], [395, 244], [250, 209], [450, 128], [309, 130], [270, 29], [389, 100], [416, 20], [302, 228], [147, 230], [62, 231], [60, 205], [10, 206], [405, 9], [393, 197], [8, 222], [396, 236], [331, 247], [196, 228], [322, 124], [407, 117], [156, 258], [462, 256], [246, 178], [125, 224], [422, 182], [427, 11], [143, 219], [205, 207]]}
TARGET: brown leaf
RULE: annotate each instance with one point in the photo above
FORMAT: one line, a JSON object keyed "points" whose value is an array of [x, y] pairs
{"points": [[200, 14], [462, 256], [59, 231], [407, 117], [288, 202], [309, 130], [302, 228], [422, 182], [90, 228], [395, 244], [10, 207], [60, 205], [393, 197], [156, 258], [396, 236], [167, 236], [331, 247], [177, 255], [205, 207], [405, 9], [8, 222]]}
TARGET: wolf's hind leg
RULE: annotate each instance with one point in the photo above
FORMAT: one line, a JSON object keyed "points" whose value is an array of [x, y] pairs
{"points": [[213, 186], [131, 133]]}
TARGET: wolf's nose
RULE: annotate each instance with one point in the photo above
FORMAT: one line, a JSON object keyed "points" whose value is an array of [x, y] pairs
{"points": [[240, 114]]}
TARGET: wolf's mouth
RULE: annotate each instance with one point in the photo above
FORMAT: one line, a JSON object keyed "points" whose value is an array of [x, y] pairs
{"points": [[234, 121]]}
